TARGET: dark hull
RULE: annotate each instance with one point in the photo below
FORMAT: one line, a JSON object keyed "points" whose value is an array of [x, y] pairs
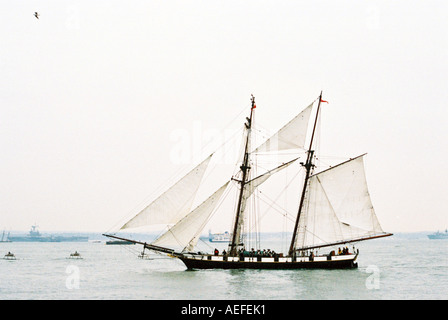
{"points": [[48, 239], [72, 239], [119, 242], [210, 264], [33, 239], [438, 236]]}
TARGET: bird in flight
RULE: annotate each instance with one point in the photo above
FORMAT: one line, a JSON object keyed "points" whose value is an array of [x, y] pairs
{"points": [[36, 15]]}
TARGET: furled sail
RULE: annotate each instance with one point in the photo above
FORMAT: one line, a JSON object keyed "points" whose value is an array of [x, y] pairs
{"points": [[173, 204], [338, 207], [185, 233], [290, 136]]}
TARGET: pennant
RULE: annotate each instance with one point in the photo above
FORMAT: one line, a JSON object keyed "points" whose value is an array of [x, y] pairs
{"points": [[323, 101]]}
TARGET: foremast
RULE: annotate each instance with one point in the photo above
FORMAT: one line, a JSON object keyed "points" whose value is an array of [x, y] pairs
{"points": [[237, 228], [309, 166]]}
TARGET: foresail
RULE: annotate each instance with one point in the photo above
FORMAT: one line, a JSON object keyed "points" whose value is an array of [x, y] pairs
{"points": [[338, 207], [290, 136], [185, 233], [174, 203]]}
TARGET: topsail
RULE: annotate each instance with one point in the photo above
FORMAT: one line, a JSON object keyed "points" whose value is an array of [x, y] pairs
{"points": [[290, 136]]}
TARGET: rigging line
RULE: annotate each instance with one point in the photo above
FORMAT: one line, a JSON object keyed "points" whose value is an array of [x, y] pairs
{"points": [[283, 212], [228, 125], [197, 234], [173, 235], [206, 243], [294, 152], [216, 165], [281, 191], [305, 229], [327, 165], [218, 205], [129, 249], [280, 210], [161, 189], [208, 220], [171, 180], [268, 132], [331, 207], [257, 219], [309, 232]]}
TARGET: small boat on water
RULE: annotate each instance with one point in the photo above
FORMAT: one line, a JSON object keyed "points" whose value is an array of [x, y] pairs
{"points": [[75, 255], [439, 235], [9, 256]]}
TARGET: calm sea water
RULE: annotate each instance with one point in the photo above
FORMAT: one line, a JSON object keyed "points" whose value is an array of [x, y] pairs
{"points": [[388, 269]]}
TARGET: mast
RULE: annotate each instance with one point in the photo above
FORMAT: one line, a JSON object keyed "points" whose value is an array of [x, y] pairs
{"points": [[244, 169], [308, 167]]}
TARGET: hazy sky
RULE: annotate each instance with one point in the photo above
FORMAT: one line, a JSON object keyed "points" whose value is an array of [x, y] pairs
{"points": [[94, 93]]}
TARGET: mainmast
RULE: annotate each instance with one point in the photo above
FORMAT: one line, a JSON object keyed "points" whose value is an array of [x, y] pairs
{"points": [[308, 167], [236, 236]]}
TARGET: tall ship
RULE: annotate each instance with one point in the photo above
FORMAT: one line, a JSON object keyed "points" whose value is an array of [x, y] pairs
{"points": [[332, 205], [35, 236], [439, 235]]}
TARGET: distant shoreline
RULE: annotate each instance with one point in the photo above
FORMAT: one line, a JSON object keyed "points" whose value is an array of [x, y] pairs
{"points": [[152, 235]]}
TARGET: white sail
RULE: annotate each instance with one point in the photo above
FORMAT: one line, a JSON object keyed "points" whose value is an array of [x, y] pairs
{"points": [[185, 233], [290, 136], [174, 203], [338, 207]]}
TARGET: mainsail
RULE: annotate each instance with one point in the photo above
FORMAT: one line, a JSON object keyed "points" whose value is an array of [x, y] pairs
{"points": [[338, 208], [173, 204]]}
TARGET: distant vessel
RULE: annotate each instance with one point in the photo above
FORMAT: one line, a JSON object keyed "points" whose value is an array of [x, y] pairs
{"points": [[219, 237], [71, 238], [334, 208], [119, 242], [75, 255], [438, 235], [9, 256], [5, 239], [35, 236]]}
